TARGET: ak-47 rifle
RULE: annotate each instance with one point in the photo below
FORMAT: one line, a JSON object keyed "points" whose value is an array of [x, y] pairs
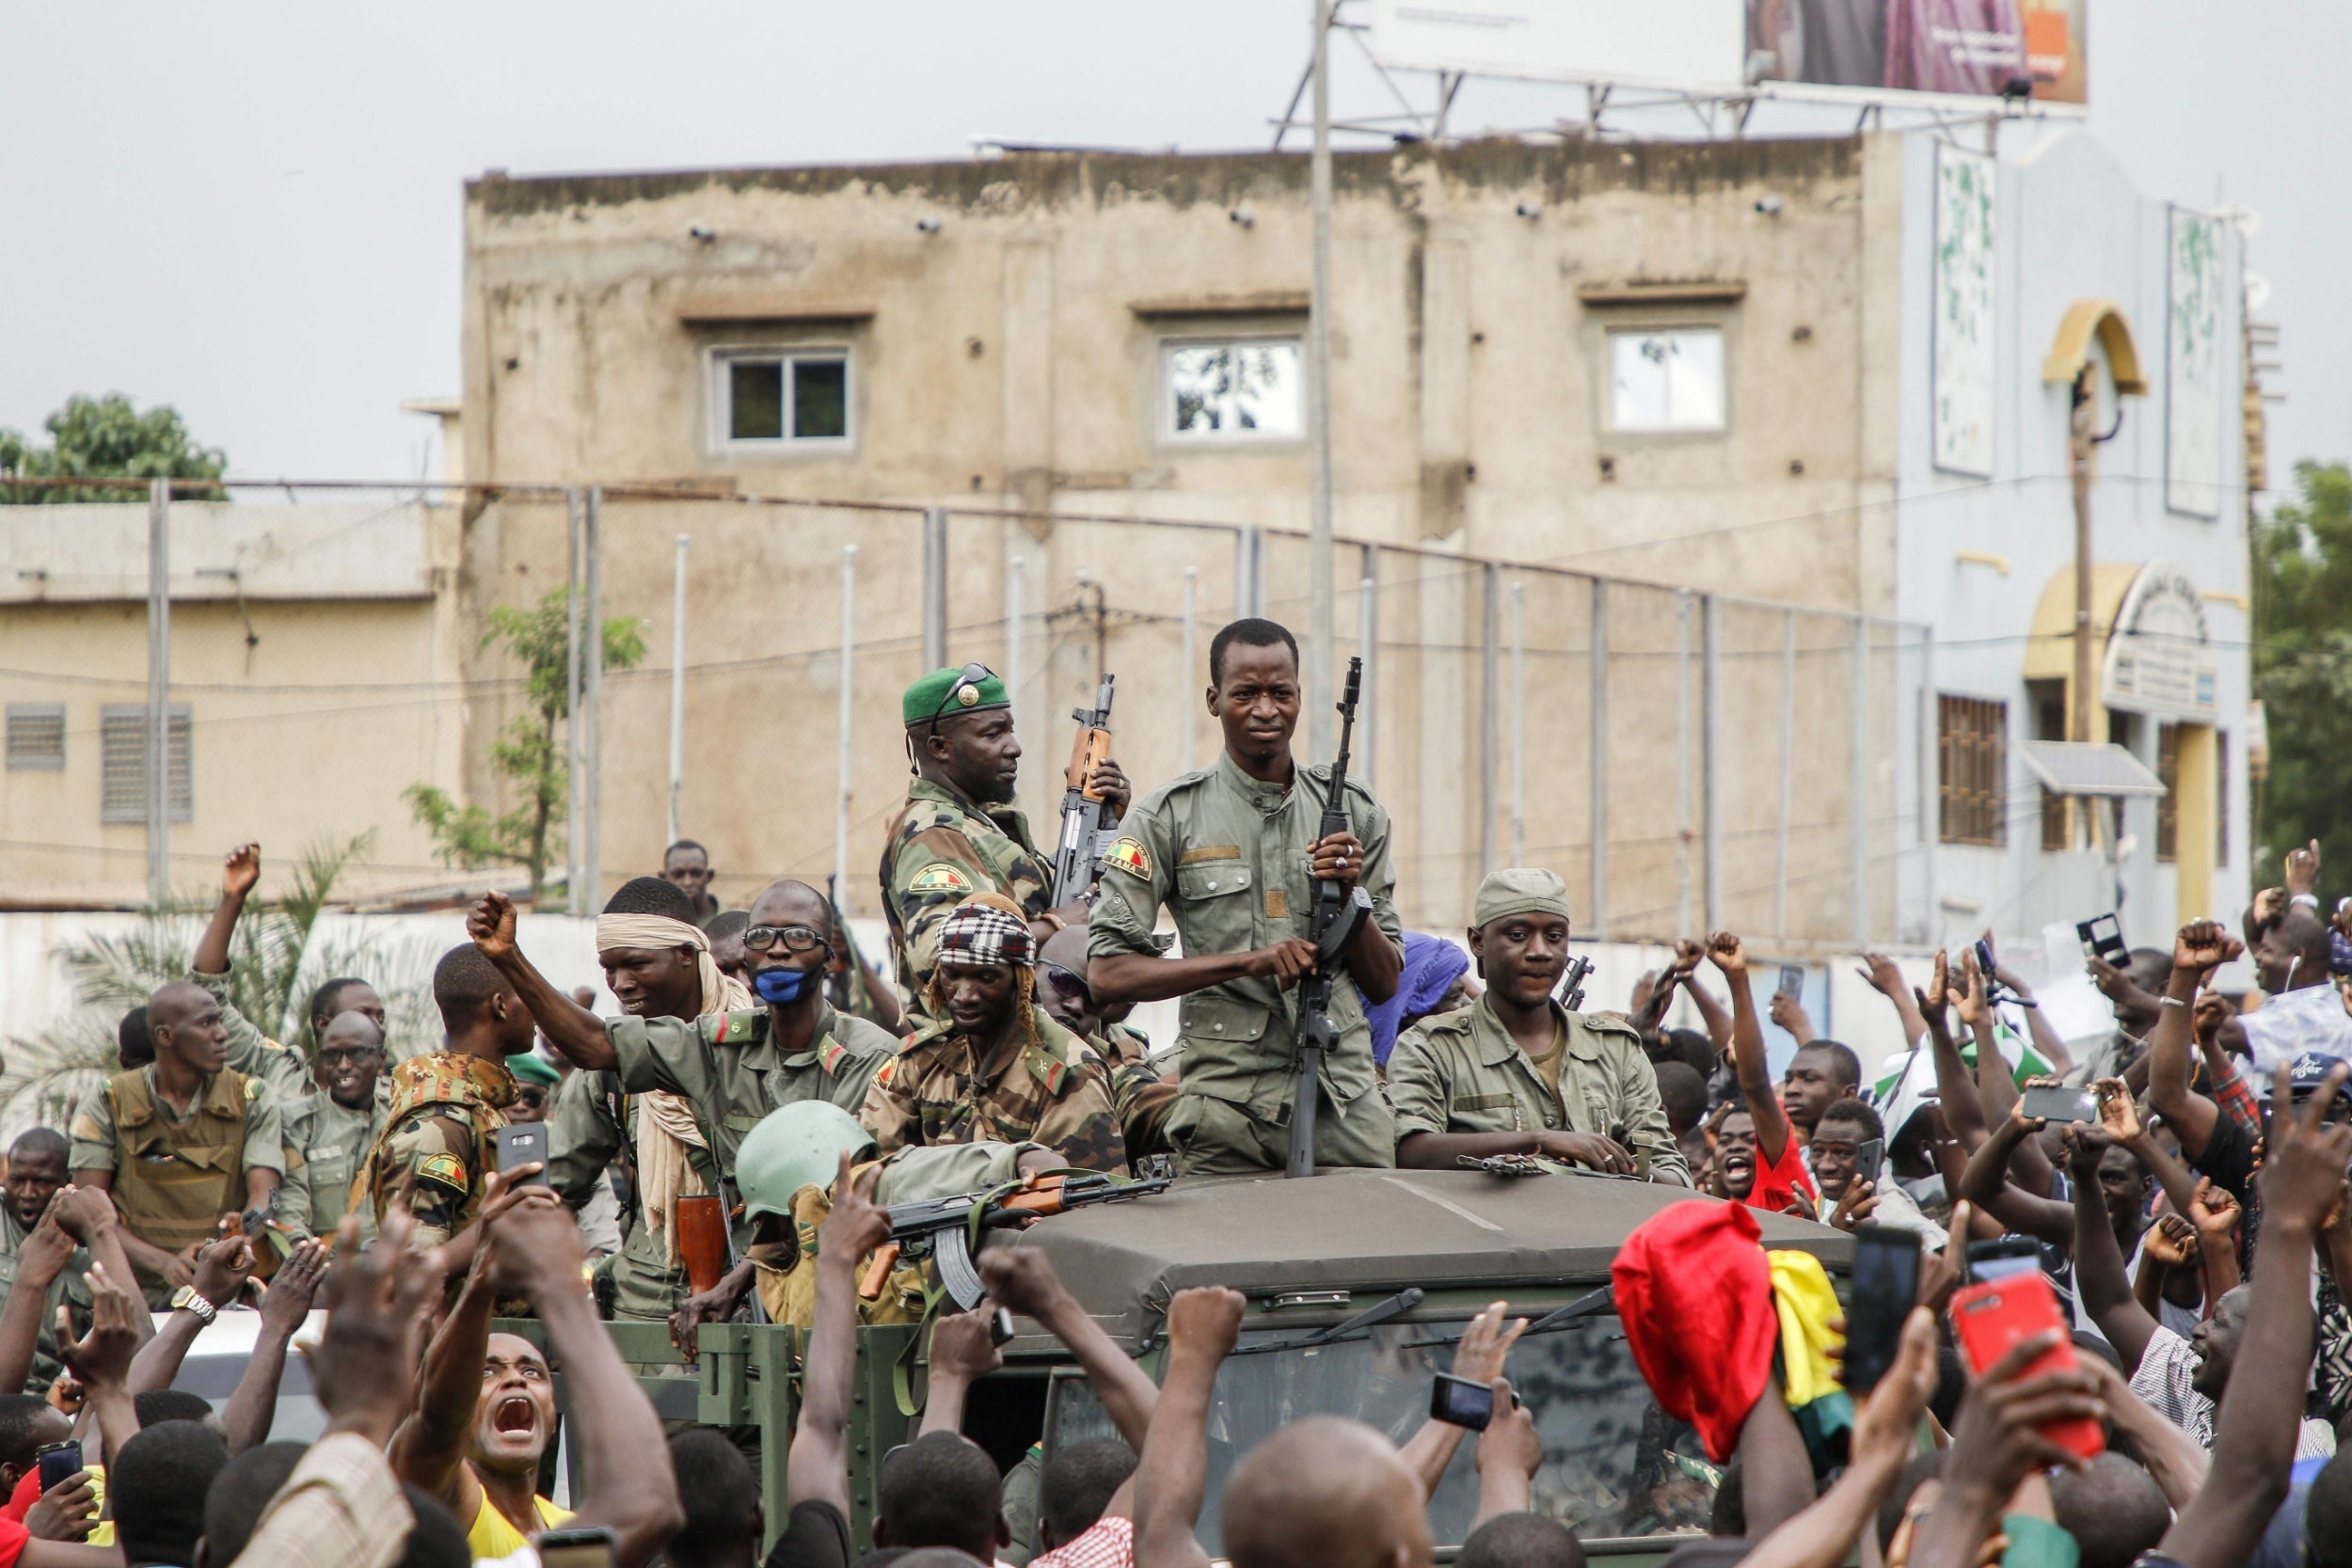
{"points": [[1084, 814], [947, 1230], [1339, 913]]}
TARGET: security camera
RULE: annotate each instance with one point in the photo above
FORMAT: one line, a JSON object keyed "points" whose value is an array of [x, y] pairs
{"points": [[927, 226], [1243, 217], [1767, 205], [702, 231], [1530, 209]]}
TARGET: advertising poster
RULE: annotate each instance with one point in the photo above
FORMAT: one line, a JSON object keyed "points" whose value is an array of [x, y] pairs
{"points": [[1956, 48], [1963, 345]]}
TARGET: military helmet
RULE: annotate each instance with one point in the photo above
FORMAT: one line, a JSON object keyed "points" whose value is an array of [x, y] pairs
{"points": [[796, 1146]]}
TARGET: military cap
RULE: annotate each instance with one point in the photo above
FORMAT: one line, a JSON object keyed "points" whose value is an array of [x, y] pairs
{"points": [[1521, 889], [532, 1068], [944, 693]]}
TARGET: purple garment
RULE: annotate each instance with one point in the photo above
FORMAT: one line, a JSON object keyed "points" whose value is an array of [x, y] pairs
{"points": [[1954, 46], [1432, 964]]}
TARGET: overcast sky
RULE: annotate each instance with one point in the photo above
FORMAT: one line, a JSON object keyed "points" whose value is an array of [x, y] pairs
{"points": [[252, 210]]}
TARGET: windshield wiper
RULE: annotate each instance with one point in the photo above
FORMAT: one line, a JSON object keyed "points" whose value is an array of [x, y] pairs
{"points": [[1377, 1313]]}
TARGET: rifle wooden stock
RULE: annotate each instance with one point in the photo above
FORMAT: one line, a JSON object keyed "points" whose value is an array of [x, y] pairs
{"points": [[701, 1219]]}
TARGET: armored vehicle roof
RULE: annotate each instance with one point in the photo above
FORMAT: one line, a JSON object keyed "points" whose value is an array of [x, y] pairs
{"points": [[1374, 1231]]}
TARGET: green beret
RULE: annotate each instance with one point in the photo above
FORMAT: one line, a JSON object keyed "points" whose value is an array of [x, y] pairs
{"points": [[1521, 889], [532, 1068], [927, 699]]}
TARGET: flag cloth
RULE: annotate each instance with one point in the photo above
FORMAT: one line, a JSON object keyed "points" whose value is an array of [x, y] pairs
{"points": [[1695, 1293], [1806, 1305]]}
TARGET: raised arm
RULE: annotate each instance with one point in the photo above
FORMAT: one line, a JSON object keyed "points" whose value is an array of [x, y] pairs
{"points": [[222, 1267], [1985, 1184], [429, 1450], [102, 1358], [1997, 1444], [961, 1354], [2262, 1409], [1747, 1049], [1484, 1346], [1509, 1454], [818, 1469], [1996, 1089], [1022, 1279], [2202, 947], [254, 1405], [571, 1028], [39, 1259], [1955, 1088], [239, 872], [1886, 978], [2098, 1261], [1203, 1326]]}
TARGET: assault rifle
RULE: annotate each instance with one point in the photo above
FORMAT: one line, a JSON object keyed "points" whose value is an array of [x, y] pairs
{"points": [[1339, 913], [947, 1230], [1084, 814]]}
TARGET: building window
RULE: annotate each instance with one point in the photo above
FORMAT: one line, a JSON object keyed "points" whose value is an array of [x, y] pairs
{"points": [[122, 765], [36, 737], [1972, 736], [1667, 378], [2048, 697], [1241, 390], [2168, 803], [785, 397]]}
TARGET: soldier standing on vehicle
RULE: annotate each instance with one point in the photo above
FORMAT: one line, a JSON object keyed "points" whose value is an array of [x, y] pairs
{"points": [[959, 833], [330, 1131], [1233, 852], [996, 1069], [1518, 1073], [180, 1142], [438, 1146]]}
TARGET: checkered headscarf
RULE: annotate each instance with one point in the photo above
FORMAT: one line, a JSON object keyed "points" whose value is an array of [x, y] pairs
{"points": [[984, 936]]}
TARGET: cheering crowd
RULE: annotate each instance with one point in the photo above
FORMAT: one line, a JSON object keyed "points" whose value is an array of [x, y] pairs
{"points": [[2106, 1341]]}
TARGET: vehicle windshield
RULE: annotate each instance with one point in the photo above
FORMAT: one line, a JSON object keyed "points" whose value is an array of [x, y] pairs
{"points": [[1614, 1464]]}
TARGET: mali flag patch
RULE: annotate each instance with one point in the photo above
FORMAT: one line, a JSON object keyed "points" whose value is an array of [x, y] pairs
{"points": [[939, 877], [1131, 856]]}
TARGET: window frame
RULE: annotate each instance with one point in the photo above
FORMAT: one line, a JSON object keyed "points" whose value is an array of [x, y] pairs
{"points": [[2167, 833], [179, 781], [1612, 331], [719, 397], [27, 713], [1971, 770], [1164, 429]]}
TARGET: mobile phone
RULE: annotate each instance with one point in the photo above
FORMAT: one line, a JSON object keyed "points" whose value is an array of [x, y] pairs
{"points": [[521, 1144], [59, 1461], [1791, 981], [2057, 1102], [2103, 938], [1869, 1160], [591, 1547], [1000, 1327], [2004, 1258], [1461, 1402], [1990, 1319], [1886, 1286]]}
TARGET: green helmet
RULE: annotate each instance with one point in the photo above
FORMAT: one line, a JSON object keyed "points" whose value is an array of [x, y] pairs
{"points": [[797, 1146]]}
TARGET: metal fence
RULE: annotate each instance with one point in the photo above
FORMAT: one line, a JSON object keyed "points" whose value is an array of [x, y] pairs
{"points": [[1685, 759]]}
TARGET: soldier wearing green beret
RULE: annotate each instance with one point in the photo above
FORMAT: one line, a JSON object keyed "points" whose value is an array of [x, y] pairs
{"points": [[959, 833], [1516, 1072], [1233, 852]]}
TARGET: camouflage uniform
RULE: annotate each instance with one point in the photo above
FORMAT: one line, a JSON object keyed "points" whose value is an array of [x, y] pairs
{"points": [[324, 1143], [1053, 1090], [1463, 1072], [1227, 855], [437, 1148], [732, 1074], [283, 1068], [1142, 1097], [940, 850], [70, 1289]]}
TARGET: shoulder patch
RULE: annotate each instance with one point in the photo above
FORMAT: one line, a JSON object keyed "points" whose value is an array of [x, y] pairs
{"points": [[445, 1169], [736, 1024], [1129, 855], [830, 1057], [253, 1086], [883, 1073], [268, 1044], [939, 877]]}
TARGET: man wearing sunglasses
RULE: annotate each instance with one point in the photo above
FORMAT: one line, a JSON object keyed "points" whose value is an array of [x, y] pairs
{"points": [[1137, 1092], [330, 1131], [960, 834], [1233, 853]]}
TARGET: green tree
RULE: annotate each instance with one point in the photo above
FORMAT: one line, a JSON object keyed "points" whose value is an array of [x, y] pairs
{"points": [[107, 438], [531, 751], [2303, 665]]}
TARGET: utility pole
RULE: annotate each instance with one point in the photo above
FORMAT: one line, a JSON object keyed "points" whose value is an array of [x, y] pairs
{"points": [[1319, 589], [677, 688], [159, 693], [2081, 446]]}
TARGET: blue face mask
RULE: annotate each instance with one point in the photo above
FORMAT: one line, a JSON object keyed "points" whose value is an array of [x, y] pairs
{"points": [[782, 987]]}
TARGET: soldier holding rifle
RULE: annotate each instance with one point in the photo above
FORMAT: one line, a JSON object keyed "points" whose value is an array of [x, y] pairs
{"points": [[1236, 852]]}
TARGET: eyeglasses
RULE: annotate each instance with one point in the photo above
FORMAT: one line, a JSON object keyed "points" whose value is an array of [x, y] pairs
{"points": [[343, 1057], [796, 939], [534, 1097], [969, 676], [1068, 983]]}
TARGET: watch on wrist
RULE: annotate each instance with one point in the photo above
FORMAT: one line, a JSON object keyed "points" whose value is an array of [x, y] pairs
{"points": [[185, 1299]]}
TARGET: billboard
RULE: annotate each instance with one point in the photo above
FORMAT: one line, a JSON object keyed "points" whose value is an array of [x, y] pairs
{"points": [[1962, 341], [1849, 49], [2194, 388]]}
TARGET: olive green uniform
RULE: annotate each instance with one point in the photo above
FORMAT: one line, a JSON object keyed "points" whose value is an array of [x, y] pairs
{"points": [[283, 1068], [1227, 855], [732, 1074], [70, 1289], [175, 1175], [940, 850], [326, 1144], [1463, 1072], [1051, 1089]]}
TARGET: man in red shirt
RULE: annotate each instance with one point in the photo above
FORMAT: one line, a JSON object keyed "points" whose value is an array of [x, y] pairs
{"points": [[1759, 1159]]}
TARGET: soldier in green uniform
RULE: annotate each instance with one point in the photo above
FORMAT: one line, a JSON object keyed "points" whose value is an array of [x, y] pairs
{"points": [[330, 1131], [81, 1225], [731, 1069], [1233, 852], [996, 1069], [439, 1140], [959, 833], [283, 1068], [1516, 1072]]}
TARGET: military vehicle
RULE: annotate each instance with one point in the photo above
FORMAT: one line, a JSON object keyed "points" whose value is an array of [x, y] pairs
{"points": [[1359, 1283]]}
